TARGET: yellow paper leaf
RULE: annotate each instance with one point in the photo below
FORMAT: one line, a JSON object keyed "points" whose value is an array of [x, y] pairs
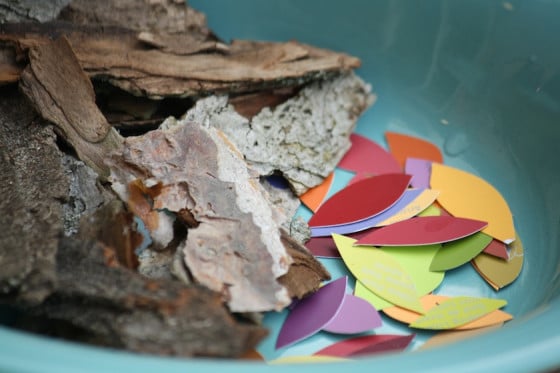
{"points": [[420, 203], [468, 196], [456, 335], [432, 300], [498, 272], [380, 273], [456, 311]]}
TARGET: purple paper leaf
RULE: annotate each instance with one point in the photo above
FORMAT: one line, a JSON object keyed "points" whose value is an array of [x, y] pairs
{"points": [[355, 316], [421, 170], [311, 314]]}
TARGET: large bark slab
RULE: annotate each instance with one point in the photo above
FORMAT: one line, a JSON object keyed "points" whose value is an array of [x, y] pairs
{"points": [[33, 187], [122, 308]]}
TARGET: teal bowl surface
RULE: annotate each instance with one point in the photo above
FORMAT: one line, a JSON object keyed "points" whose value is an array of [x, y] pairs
{"points": [[479, 78]]}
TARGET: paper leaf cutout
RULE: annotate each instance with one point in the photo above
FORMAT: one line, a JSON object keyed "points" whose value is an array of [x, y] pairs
{"points": [[409, 196], [497, 248], [366, 156], [456, 311], [324, 247], [432, 210], [419, 231], [466, 195], [497, 272], [380, 273], [355, 316], [430, 301], [416, 262], [361, 200], [359, 177], [455, 335], [367, 345], [425, 199], [420, 169], [456, 253], [404, 146], [315, 196], [312, 313]]}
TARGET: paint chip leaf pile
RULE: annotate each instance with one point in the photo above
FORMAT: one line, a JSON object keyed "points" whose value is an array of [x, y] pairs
{"points": [[398, 226]]}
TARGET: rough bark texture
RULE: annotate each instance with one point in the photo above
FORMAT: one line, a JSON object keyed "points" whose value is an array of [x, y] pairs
{"points": [[63, 94], [236, 247], [30, 10], [33, 186], [303, 138], [124, 309]]}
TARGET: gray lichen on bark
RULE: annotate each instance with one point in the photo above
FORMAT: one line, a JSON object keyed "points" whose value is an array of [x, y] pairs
{"points": [[303, 138]]}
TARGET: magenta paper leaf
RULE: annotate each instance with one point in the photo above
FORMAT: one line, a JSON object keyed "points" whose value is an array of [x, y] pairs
{"points": [[427, 230], [361, 200], [367, 345], [311, 314], [355, 316], [421, 170], [366, 156]]}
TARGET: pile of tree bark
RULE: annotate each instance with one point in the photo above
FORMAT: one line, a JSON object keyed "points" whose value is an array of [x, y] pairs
{"points": [[135, 148]]}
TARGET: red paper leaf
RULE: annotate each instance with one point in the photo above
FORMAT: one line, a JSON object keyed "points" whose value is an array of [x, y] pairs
{"points": [[366, 156], [498, 249], [361, 200], [325, 247], [367, 345], [420, 231]]}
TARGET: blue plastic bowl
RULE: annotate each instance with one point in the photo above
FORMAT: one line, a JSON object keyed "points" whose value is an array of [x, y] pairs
{"points": [[481, 79]]}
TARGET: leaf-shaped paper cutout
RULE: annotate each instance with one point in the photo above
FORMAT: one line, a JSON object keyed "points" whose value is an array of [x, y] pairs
{"points": [[409, 196], [456, 311], [367, 345], [366, 156], [427, 230], [497, 272], [497, 248], [306, 359], [420, 169], [455, 335], [430, 301], [314, 197], [456, 253], [380, 273], [361, 200], [404, 146], [355, 316], [425, 199], [466, 195], [416, 262], [322, 247], [359, 177], [432, 210], [312, 313]]}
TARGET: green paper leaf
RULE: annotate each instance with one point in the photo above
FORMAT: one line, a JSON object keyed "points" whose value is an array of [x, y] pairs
{"points": [[416, 262], [454, 254], [380, 273], [457, 311]]}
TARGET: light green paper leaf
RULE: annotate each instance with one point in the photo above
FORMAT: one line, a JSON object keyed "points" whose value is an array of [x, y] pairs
{"points": [[431, 211], [416, 262], [454, 254], [380, 273], [457, 311]]}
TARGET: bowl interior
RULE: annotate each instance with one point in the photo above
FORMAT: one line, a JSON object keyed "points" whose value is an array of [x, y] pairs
{"points": [[481, 80]]}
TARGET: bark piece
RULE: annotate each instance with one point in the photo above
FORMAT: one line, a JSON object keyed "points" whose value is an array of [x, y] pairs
{"points": [[30, 10], [63, 94], [33, 187], [304, 138], [236, 247], [306, 274], [124, 309], [117, 56]]}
